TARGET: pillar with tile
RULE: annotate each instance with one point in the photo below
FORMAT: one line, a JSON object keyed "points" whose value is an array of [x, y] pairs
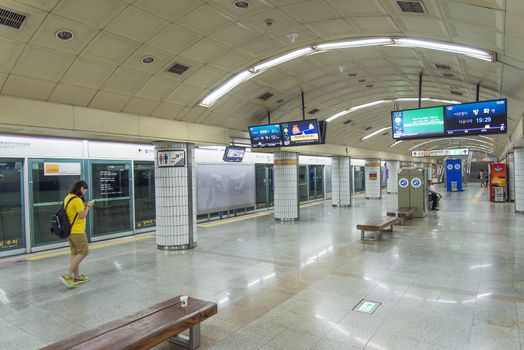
{"points": [[373, 185], [341, 181], [518, 154], [393, 169], [285, 170], [175, 194]]}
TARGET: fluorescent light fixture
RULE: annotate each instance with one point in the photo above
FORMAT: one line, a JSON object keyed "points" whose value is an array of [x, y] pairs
{"points": [[223, 89], [447, 47], [346, 44], [485, 137], [375, 133], [282, 59], [335, 116], [396, 143], [366, 105]]}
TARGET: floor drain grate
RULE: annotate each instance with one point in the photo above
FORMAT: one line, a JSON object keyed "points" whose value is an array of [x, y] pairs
{"points": [[367, 306]]}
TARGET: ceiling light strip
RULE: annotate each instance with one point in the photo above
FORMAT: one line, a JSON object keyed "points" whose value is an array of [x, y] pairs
{"points": [[243, 76], [375, 133]]}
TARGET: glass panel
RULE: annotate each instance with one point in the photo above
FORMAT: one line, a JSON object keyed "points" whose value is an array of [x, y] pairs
{"points": [[359, 179], [11, 220], [319, 182], [144, 192], [270, 187], [302, 183], [261, 185], [48, 192], [112, 216], [112, 210]]}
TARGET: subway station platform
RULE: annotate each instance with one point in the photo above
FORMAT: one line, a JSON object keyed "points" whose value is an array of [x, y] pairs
{"points": [[452, 280]]}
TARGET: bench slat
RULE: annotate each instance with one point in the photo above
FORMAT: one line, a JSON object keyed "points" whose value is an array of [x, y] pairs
{"points": [[143, 329], [377, 223]]}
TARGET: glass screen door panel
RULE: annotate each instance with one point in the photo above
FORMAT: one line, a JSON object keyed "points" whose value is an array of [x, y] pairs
{"points": [[110, 187], [303, 183], [316, 181], [144, 193], [11, 204], [264, 185], [49, 183]]}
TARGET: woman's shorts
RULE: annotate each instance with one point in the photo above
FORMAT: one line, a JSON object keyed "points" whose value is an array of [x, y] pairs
{"points": [[78, 244]]}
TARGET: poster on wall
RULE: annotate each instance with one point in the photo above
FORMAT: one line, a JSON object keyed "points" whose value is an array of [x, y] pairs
{"points": [[62, 169], [373, 176], [497, 178]]}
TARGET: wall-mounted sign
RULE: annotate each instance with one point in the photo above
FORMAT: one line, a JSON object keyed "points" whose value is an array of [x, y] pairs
{"points": [[440, 153], [403, 182], [61, 169], [416, 182], [373, 176], [171, 158], [285, 162]]}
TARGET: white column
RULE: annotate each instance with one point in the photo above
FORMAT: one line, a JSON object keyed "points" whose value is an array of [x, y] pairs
{"points": [[511, 171], [393, 169], [285, 169], [519, 179], [175, 193], [341, 181], [373, 189]]}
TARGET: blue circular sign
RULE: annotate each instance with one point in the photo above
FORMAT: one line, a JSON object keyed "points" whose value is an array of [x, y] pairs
{"points": [[457, 166], [403, 182], [450, 166], [416, 182]]}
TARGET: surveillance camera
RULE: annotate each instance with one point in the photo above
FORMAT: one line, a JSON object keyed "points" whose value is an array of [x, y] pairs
{"points": [[269, 22]]}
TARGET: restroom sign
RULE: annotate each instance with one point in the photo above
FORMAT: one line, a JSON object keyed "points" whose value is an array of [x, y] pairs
{"points": [[171, 158], [416, 182], [403, 182]]}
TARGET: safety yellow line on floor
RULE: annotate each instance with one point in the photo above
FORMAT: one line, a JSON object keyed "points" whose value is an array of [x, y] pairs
{"points": [[249, 216], [96, 245], [477, 195]]}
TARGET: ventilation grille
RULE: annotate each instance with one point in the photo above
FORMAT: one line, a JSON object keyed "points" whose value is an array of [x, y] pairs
{"points": [[386, 133], [411, 6], [347, 122], [454, 92], [178, 68], [441, 66], [11, 19], [266, 96], [448, 75], [314, 110], [368, 128]]}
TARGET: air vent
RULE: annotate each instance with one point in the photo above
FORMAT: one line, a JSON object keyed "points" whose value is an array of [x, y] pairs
{"points": [[448, 75], [352, 75], [178, 68], [347, 122], [314, 110], [368, 128], [11, 19], [265, 96], [385, 134], [411, 6], [454, 92], [441, 66]]}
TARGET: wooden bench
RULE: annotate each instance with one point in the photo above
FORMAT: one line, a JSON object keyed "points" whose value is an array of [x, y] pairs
{"points": [[402, 213], [377, 225], [146, 329]]}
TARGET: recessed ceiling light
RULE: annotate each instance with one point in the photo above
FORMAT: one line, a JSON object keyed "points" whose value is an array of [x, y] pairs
{"points": [[148, 59], [65, 35], [242, 4]]}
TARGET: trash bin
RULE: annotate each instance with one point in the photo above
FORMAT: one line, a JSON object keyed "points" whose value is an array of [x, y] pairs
{"points": [[454, 186], [499, 194]]}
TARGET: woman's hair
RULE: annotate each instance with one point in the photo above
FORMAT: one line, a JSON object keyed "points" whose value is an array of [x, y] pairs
{"points": [[77, 188]]}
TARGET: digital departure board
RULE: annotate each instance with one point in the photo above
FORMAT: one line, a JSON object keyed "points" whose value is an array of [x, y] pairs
{"points": [[418, 123], [263, 136], [302, 132], [486, 117]]}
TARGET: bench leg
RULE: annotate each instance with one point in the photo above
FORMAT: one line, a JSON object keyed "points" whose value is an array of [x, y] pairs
{"points": [[191, 343]]}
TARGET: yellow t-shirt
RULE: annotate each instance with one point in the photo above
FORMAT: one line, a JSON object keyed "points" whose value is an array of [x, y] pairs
{"points": [[74, 207]]}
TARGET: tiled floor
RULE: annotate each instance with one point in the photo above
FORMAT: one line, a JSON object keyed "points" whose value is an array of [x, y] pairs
{"points": [[453, 280]]}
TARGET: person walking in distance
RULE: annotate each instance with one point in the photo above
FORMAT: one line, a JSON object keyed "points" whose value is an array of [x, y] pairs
{"points": [[481, 178], [77, 212]]}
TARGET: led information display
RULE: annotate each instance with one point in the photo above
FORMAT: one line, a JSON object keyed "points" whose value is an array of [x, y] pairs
{"points": [[265, 136], [234, 154], [486, 117], [418, 123], [303, 132]]}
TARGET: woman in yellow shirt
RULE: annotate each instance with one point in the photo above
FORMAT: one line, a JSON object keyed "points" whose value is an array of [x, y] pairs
{"points": [[77, 212]]}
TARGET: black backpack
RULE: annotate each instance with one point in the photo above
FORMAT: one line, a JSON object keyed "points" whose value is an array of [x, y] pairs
{"points": [[60, 224]]}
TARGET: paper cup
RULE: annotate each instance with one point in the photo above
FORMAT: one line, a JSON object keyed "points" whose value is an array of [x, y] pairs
{"points": [[183, 300]]}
